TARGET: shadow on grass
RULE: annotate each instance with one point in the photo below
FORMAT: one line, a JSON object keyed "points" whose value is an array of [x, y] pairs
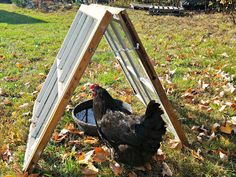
{"points": [[14, 18]]}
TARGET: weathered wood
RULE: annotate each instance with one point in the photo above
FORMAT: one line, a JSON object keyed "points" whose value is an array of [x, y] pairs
{"points": [[154, 78]]}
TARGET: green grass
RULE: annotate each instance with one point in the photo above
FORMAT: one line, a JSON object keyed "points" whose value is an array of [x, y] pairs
{"points": [[193, 45]]}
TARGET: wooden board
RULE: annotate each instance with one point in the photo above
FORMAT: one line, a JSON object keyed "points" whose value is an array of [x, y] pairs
{"points": [[78, 47], [84, 35]]}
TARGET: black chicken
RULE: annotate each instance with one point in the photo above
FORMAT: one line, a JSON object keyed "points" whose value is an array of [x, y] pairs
{"points": [[134, 139]]}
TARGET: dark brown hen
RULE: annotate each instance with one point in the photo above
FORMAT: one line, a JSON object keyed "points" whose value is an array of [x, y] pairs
{"points": [[134, 139]]}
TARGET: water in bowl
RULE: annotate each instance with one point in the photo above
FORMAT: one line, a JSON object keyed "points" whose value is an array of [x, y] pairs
{"points": [[86, 116]]}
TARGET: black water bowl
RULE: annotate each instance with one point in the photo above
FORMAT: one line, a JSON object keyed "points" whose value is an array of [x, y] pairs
{"points": [[83, 116]]}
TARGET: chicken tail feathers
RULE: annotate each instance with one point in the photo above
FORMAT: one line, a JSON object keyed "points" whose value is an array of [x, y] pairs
{"points": [[152, 128]]}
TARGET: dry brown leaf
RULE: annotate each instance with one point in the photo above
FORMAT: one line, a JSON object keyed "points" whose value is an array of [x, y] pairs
{"points": [[85, 158], [56, 137], [100, 155], [175, 144], [127, 98], [90, 140], [19, 65], [2, 92], [212, 136], [7, 102], [233, 106], [222, 108], [160, 156], [11, 78], [116, 168], [215, 127], [74, 142], [197, 155], [166, 170], [132, 174], [90, 169], [223, 156], [39, 87], [23, 106], [71, 128], [65, 156], [197, 128], [190, 115], [5, 153], [14, 114], [81, 156], [226, 128]]}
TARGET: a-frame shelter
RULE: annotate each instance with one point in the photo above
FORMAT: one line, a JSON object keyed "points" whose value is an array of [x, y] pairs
{"points": [[91, 23]]}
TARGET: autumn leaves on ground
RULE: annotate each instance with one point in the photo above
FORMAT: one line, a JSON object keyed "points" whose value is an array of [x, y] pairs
{"points": [[194, 57]]}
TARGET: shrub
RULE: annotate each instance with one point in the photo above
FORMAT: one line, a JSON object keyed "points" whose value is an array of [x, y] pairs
{"points": [[20, 3]]}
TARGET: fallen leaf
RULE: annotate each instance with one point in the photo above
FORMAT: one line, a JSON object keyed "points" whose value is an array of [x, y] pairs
{"points": [[132, 174], [65, 156], [6, 154], [166, 170], [14, 114], [11, 78], [233, 106], [212, 136], [85, 158], [229, 87], [7, 102], [175, 144], [160, 156], [214, 127], [197, 155], [81, 157], [100, 155], [90, 140], [222, 93], [127, 98], [23, 106], [233, 120], [222, 108], [42, 75], [19, 65], [224, 140], [116, 168], [39, 87], [90, 169], [74, 142], [57, 137], [226, 128], [190, 115], [195, 128], [225, 55], [223, 156], [2, 92]]}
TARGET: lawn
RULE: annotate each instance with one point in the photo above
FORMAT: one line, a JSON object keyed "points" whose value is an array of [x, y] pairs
{"points": [[194, 57]]}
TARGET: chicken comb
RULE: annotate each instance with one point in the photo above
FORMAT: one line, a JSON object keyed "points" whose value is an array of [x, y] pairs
{"points": [[93, 86]]}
